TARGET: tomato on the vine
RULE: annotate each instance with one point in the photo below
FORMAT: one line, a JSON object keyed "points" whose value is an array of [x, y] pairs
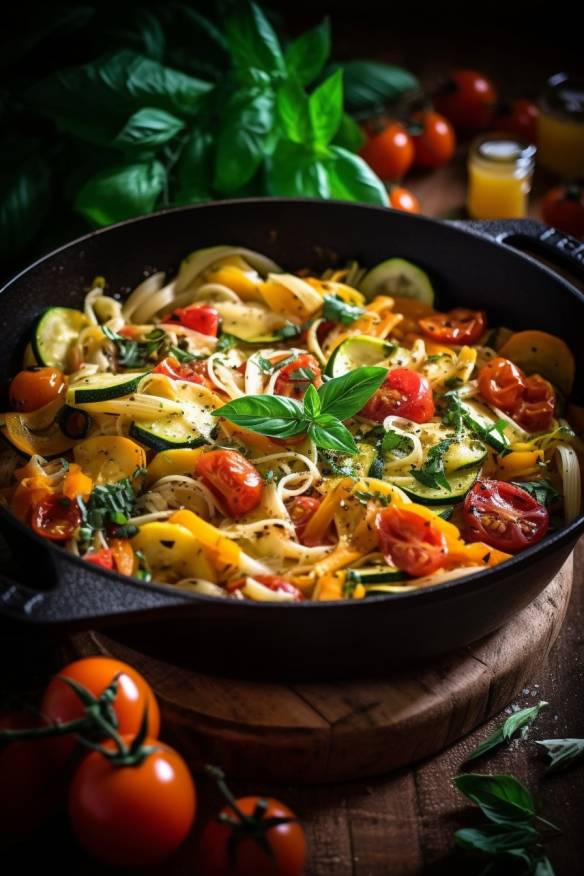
{"points": [[56, 517], [563, 207], [235, 482], [520, 118], [390, 152], [459, 326], [34, 388], [404, 393], [468, 100], [294, 378], [410, 542], [402, 199], [503, 516], [435, 143], [132, 816], [200, 318]]}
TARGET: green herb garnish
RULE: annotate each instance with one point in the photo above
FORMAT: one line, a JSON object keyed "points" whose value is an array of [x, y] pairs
{"points": [[517, 721], [337, 310], [431, 474]]}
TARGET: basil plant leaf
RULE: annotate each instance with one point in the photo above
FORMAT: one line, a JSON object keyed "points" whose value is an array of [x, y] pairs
{"points": [[306, 56], [325, 106], [349, 135], [272, 415], [328, 432], [293, 171], [25, 196], [292, 104], [516, 721], [563, 752], [503, 799], [248, 119], [312, 404], [345, 396], [252, 40], [496, 839], [370, 84], [121, 192], [351, 179], [148, 128], [194, 169]]}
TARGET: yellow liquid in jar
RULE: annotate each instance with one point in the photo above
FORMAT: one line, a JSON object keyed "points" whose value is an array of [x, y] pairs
{"points": [[499, 178], [561, 145]]}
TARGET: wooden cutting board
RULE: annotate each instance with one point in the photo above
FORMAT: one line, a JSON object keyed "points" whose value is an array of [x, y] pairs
{"points": [[312, 732]]}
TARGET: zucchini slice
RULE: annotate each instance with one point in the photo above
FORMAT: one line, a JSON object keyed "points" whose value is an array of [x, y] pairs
{"points": [[357, 351], [460, 483], [192, 427], [369, 575], [101, 387], [398, 277], [55, 332], [169, 433]]}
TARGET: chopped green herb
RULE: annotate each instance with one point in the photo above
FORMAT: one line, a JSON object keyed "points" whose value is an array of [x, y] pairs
{"points": [[542, 491], [431, 474], [337, 310]]}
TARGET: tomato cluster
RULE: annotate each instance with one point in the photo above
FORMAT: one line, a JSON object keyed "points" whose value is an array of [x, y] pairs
{"points": [[530, 401]]}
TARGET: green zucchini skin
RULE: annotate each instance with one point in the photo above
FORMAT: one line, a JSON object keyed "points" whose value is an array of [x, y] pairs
{"points": [[376, 575], [55, 330], [103, 389], [146, 435], [398, 277], [460, 484]]}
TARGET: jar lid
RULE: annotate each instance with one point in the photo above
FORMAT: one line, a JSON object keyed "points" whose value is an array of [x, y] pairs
{"points": [[502, 148], [564, 95]]}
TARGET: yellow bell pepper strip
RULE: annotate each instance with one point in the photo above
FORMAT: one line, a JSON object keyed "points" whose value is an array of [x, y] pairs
{"points": [[37, 432], [518, 463], [222, 550], [285, 293], [334, 287], [250, 439], [245, 283], [76, 483], [29, 491], [322, 518], [108, 458], [173, 552], [329, 586], [173, 462]]}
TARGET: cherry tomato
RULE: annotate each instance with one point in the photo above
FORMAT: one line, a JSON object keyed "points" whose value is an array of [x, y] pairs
{"points": [[503, 516], [200, 318], [123, 555], [501, 383], [273, 582], [519, 118], [563, 207], [35, 387], [60, 704], [390, 152], [249, 858], [302, 510], [132, 816], [404, 393], [460, 326], [435, 144], [56, 517], [295, 378], [235, 481], [535, 410], [103, 558], [403, 199], [410, 542], [194, 372], [468, 100]]}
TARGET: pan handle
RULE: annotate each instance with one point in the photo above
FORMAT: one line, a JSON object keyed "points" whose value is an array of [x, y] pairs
{"points": [[561, 249]]}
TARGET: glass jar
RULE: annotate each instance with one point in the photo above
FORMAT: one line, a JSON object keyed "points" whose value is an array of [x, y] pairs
{"points": [[500, 169], [560, 127]]}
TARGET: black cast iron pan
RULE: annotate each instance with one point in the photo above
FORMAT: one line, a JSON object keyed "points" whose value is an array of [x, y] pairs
{"points": [[472, 264]]}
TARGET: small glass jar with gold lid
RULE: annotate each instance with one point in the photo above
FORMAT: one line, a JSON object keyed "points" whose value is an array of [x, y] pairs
{"points": [[500, 170], [560, 127]]}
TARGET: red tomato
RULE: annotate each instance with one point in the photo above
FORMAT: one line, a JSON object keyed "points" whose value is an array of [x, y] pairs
{"points": [[249, 857], [292, 382], [390, 152], [199, 318], [519, 118], [132, 816], [302, 510], [235, 481], [403, 199], [535, 410], [194, 372], [503, 516], [410, 542], [34, 388], [272, 582], [404, 393], [103, 558], [501, 383], [460, 326], [563, 207], [60, 704], [435, 144], [468, 100], [56, 517]]}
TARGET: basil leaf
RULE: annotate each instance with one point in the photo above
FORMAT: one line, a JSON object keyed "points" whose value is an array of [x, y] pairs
{"points": [[503, 799], [312, 404], [252, 41], [431, 474], [25, 196], [273, 415], [396, 444], [495, 839], [351, 179], [337, 310], [186, 27], [194, 169], [247, 119], [306, 56], [148, 127], [515, 722], [370, 84], [562, 752], [121, 192], [138, 29], [328, 432], [293, 171], [325, 107], [292, 105], [344, 396], [542, 491], [349, 135], [225, 342]]}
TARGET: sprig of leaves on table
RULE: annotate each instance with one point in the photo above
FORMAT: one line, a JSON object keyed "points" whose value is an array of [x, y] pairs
{"points": [[520, 720], [319, 416], [182, 107], [563, 753]]}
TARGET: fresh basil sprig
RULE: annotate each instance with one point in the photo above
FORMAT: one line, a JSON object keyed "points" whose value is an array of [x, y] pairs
{"points": [[319, 416], [518, 721], [431, 474], [337, 310], [563, 752]]}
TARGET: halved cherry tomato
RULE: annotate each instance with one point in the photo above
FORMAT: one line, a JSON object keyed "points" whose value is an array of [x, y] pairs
{"points": [[459, 326], [123, 554], [132, 816], [236, 482], [302, 510], [200, 318], [250, 849], [195, 372], [501, 383], [272, 582], [563, 207], [295, 378], [60, 704], [410, 542], [467, 99], [520, 117], [435, 144], [103, 558], [503, 516], [390, 152], [535, 410], [56, 517], [404, 393], [402, 199], [35, 387]]}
